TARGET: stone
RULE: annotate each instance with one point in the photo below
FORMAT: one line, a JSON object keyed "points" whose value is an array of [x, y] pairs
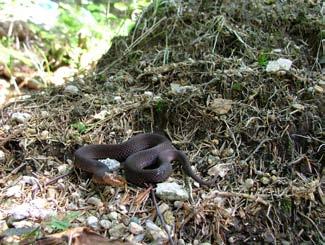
{"points": [[21, 117], [265, 180], [111, 164], [163, 207], [171, 191], [219, 170], [179, 89], [106, 224], [92, 222], [249, 183], [279, 64], [155, 233], [113, 215], [118, 231], [135, 228], [2, 156], [71, 90], [95, 202]]}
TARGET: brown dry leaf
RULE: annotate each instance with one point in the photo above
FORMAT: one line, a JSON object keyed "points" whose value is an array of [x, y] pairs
{"points": [[221, 106], [112, 180], [78, 236], [142, 196]]}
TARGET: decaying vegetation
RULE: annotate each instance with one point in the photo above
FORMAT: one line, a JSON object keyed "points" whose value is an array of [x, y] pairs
{"points": [[197, 73]]}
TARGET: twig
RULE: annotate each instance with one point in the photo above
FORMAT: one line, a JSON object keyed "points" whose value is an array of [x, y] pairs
{"points": [[313, 223], [257, 148], [258, 199], [161, 217], [57, 178]]}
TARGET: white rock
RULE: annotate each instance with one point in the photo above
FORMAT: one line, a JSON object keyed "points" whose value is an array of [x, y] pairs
{"points": [[179, 89], [249, 183], [3, 226], [71, 89], [111, 164], [163, 207], [45, 114], [178, 204], [24, 223], [219, 169], [319, 89], [148, 94], [30, 180], [113, 215], [75, 195], [298, 106], [322, 84], [171, 191], [106, 224], [117, 231], [14, 191], [279, 64], [117, 99], [155, 233], [45, 134], [101, 115], [21, 117], [95, 201], [135, 228], [92, 221], [2, 156], [63, 168], [36, 208]]}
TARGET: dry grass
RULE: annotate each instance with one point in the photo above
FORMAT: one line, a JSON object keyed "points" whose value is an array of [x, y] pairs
{"points": [[265, 136]]}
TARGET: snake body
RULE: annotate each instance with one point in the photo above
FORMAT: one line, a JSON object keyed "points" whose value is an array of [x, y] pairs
{"points": [[146, 158]]}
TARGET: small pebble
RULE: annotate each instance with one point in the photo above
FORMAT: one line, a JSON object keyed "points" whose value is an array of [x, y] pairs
{"points": [[71, 89], [95, 201], [63, 168], [92, 221], [21, 117], [117, 99], [265, 180], [249, 183], [117, 231], [2, 156], [135, 228], [163, 207], [45, 134], [113, 215], [106, 224], [148, 93], [178, 204], [75, 195]]}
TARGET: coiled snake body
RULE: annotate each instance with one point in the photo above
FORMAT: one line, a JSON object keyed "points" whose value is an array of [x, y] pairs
{"points": [[146, 158]]}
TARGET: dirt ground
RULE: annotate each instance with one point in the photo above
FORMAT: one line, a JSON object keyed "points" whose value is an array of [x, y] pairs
{"points": [[197, 72]]}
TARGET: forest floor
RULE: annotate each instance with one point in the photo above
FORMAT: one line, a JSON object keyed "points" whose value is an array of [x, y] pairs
{"points": [[199, 74]]}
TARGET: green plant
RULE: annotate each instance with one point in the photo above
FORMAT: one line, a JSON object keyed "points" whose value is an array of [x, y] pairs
{"points": [[161, 105], [262, 59], [63, 223], [80, 127], [237, 86]]}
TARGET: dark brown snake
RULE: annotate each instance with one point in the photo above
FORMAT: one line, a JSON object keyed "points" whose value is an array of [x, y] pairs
{"points": [[146, 158]]}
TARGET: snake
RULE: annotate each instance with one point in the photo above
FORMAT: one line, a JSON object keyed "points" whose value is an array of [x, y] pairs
{"points": [[145, 158]]}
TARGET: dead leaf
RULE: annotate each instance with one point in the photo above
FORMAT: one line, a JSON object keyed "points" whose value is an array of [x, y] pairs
{"points": [[78, 236]]}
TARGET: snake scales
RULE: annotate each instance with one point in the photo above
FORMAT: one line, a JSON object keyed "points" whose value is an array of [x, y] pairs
{"points": [[146, 158]]}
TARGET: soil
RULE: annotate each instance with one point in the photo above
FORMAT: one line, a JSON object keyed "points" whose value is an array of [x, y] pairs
{"points": [[265, 129]]}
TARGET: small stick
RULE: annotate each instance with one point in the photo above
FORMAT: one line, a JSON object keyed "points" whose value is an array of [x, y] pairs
{"points": [[57, 178], [161, 217]]}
